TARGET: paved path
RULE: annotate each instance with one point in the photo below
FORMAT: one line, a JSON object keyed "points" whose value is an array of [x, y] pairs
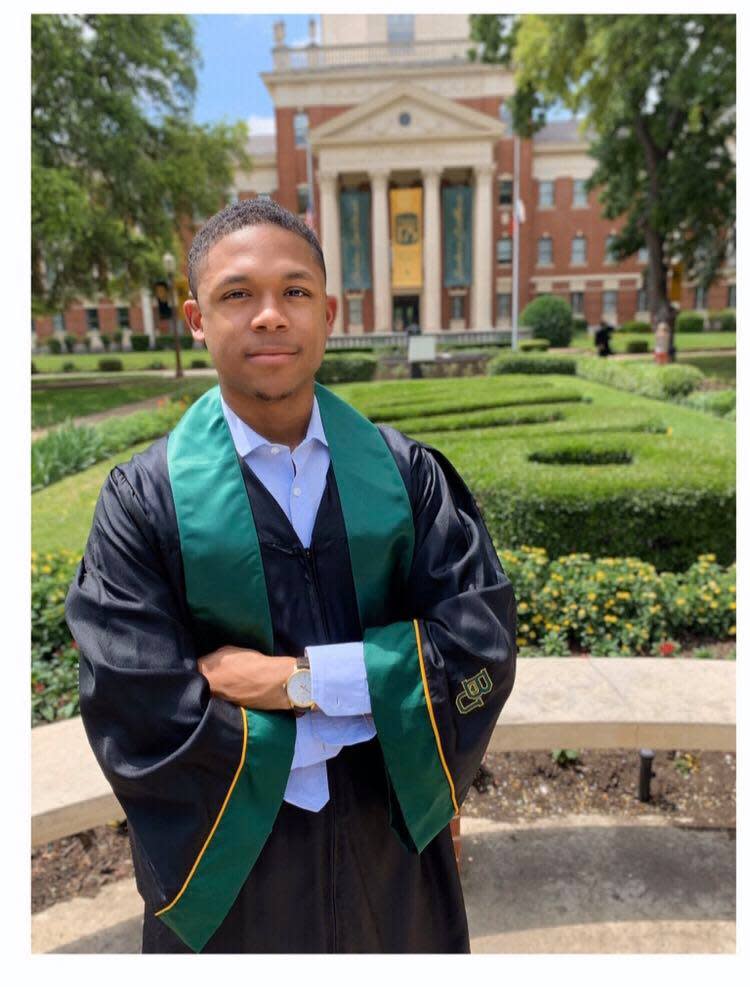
{"points": [[577, 884]]}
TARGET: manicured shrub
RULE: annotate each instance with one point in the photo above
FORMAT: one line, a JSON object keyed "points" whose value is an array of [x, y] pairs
{"points": [[580, 454], [517, 363], [719, 403], [689, 322], [637, 346], [54, 345], [70, 342], [166, 342], [106, 340], [339, 368], [34, 368], [580, 324], [531, 345], [118, 337], [139, 342], [727, 320], [157, 365], [110, 364], [635, 326], [198, 364], [69, 367], [649, 379], [550, 318]]}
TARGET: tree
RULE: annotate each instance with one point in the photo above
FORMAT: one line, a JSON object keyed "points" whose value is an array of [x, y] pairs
{"points": [[117, 163], [658, 93]]}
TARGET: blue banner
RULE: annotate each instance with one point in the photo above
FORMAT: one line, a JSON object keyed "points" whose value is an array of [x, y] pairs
{"points": [[355, 239], [457, 239]]}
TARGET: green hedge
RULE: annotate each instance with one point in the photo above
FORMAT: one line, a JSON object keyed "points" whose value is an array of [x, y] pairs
{"points": [[719, 403], [516, 363], [637, 346], [54, 345], [635, 326], [689, 322], [649, 379], [340, 368], [616, 606], [551, 318], [139, 342], [580, 324], [530, 345], [110, 364]]}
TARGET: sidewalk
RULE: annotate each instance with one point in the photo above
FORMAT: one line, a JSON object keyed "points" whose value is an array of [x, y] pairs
{"points": [[581, 884]]}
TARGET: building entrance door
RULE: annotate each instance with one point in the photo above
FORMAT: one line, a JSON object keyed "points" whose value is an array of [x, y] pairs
{"points": [[405, 312]]}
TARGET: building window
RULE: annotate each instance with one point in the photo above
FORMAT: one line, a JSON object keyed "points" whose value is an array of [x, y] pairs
{"points": [[609, 257], [355, 310], [303, 198], [92, 319], [732, 296], [546, 194], [580, 196], [700, 297], [123, 317], [458, 306], [576, 302], [609, 302], [300, 129], [506, 192], [400, 29], [642, 300], [58, 322], [544, 250], [263, 195], [503, 306], [643, 255], [504, 249], [578, 251]]}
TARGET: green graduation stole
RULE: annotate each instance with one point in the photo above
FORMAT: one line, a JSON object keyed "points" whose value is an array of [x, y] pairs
{"points": [[226, 591]]}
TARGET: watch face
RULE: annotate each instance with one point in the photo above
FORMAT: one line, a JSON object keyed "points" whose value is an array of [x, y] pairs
{"points": [[299, 688]]}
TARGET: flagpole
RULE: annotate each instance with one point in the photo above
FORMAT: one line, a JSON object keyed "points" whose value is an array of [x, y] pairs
{"points": [[516, 225]]}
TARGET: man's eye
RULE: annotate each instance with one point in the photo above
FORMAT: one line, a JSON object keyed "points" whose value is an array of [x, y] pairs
{"points": [[239, 293], [300, 292]]}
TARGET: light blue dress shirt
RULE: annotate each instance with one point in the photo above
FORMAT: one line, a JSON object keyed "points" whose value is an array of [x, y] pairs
{"points": [[297, 480]]}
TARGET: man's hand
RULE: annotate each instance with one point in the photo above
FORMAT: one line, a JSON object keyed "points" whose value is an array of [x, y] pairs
{"points": [[247, 678]]}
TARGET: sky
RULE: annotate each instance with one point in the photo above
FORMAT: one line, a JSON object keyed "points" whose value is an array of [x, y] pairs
{"points": [[235, 49]]}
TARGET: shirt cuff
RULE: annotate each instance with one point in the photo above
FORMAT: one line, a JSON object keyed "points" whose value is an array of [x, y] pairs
{"points": [[339, 678]]}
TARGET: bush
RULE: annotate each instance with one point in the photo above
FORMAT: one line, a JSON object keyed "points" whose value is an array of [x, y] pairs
{"points": [[34, 368], [689, 322], [68, 367], [166, 342], [637, 346], [54, 656], [70, 342], [139, 342], [516, 363], [106, 340], [118, 337], [110, 364], [157, 365], [727, 320], [340, 368], [530, 345], [550, 318], [635, 326], [580, 324], [649, 379], [612, 606], [54, 345], [719, 403], [198, 364], [577, 453]]}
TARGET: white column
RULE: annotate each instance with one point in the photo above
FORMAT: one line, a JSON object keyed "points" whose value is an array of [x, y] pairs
{"points": [[147, 309], [331, 240], [432, 283], [481, 287], [381, 240]]}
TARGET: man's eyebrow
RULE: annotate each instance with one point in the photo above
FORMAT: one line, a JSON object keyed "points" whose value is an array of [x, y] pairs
{"points": [[242, 278], [298, 275]]}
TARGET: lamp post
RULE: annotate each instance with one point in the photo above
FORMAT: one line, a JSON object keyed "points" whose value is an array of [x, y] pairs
{"points": [[169, 267]]}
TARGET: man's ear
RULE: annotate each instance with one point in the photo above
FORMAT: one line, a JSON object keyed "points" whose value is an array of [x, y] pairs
{"points": [[332, 304], [194, 320]]}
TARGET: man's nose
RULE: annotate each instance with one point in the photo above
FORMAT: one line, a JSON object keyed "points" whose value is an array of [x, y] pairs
{"points": [[270, 317]]}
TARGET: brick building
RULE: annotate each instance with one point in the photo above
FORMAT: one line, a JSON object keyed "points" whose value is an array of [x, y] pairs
{"points": [[406, 147]]}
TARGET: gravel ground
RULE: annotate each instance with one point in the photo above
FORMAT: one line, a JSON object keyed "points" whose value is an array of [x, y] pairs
{"points": [[691, 788]]}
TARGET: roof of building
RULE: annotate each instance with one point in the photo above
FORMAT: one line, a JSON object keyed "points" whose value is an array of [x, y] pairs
{"points": [[262, 145], [561, 131]]}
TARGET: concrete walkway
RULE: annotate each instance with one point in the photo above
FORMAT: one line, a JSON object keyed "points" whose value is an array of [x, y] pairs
{"points": [[577, 884]]}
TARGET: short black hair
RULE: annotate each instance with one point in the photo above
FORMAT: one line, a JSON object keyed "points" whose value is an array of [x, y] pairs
{"points": [[246, 212]]}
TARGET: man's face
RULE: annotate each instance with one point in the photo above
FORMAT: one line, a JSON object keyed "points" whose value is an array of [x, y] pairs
{"points": [[262, 312]]}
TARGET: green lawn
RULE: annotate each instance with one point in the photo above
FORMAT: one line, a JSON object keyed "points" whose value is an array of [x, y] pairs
{"points": [[49, 405], [683, 340], [87, 362]]}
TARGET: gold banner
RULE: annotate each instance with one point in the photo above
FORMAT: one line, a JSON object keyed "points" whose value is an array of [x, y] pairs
{"points": [[406, 237]]}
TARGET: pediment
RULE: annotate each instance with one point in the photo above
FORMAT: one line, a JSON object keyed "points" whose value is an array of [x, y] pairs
{"points": [[429, 116]]}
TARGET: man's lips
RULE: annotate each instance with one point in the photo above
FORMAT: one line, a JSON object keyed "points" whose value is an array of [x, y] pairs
{"points": [[275, 355]]}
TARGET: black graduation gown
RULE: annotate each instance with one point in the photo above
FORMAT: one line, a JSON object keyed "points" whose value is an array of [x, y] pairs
{"points": [[345, 879]]}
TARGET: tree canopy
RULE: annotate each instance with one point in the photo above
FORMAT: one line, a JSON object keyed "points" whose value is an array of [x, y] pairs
{"points": [[117, 163], [656, 94]]}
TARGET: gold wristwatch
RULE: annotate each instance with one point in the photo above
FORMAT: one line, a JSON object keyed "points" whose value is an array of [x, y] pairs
{"points": [[298, 688]]}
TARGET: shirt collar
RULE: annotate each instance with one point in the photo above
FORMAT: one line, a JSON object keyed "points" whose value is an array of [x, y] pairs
{"points": [[247, 440]]}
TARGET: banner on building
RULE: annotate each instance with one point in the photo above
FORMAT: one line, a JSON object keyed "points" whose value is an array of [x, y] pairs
{"points": [[406, 237], [457, 239], [355, 239]]}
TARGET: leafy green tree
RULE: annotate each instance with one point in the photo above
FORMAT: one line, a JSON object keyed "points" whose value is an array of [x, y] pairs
{"points": [[117, 163], [658, 94]]}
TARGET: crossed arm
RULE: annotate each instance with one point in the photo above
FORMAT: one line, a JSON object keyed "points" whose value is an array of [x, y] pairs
{"points": [[247, 678]]}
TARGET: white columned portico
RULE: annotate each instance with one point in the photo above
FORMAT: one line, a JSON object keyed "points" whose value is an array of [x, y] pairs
{"points": [[381, 240], [331, 240], [481, 298], [432, 294]]}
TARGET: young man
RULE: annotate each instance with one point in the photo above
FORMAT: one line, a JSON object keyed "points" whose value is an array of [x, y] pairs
{"points": [[295, 638]]}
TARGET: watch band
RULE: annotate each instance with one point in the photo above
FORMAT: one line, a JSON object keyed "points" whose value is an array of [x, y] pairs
{"points": [[303, 663]]}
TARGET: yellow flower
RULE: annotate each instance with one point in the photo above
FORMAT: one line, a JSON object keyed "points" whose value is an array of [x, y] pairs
{"points": [[610, 618], [681, 601], [520, 641], [669, 430], [581, 612], [732, 630], [46, 569], [622, 595], [523, 607], [732, 605], [591, 596]]}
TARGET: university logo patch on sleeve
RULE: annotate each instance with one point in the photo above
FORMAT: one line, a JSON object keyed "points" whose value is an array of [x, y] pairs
{"points": [[473, 689]]}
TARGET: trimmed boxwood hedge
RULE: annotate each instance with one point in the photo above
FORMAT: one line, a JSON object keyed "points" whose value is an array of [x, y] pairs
{"points": [[635, 326], [139, 342], [550, 317], [519, 363], [530, 345], [637, 346], [689, 322], [649, 379], [340, 368]]}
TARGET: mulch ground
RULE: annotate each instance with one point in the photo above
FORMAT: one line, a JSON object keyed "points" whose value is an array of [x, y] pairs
{"points": [[692, 788]]}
